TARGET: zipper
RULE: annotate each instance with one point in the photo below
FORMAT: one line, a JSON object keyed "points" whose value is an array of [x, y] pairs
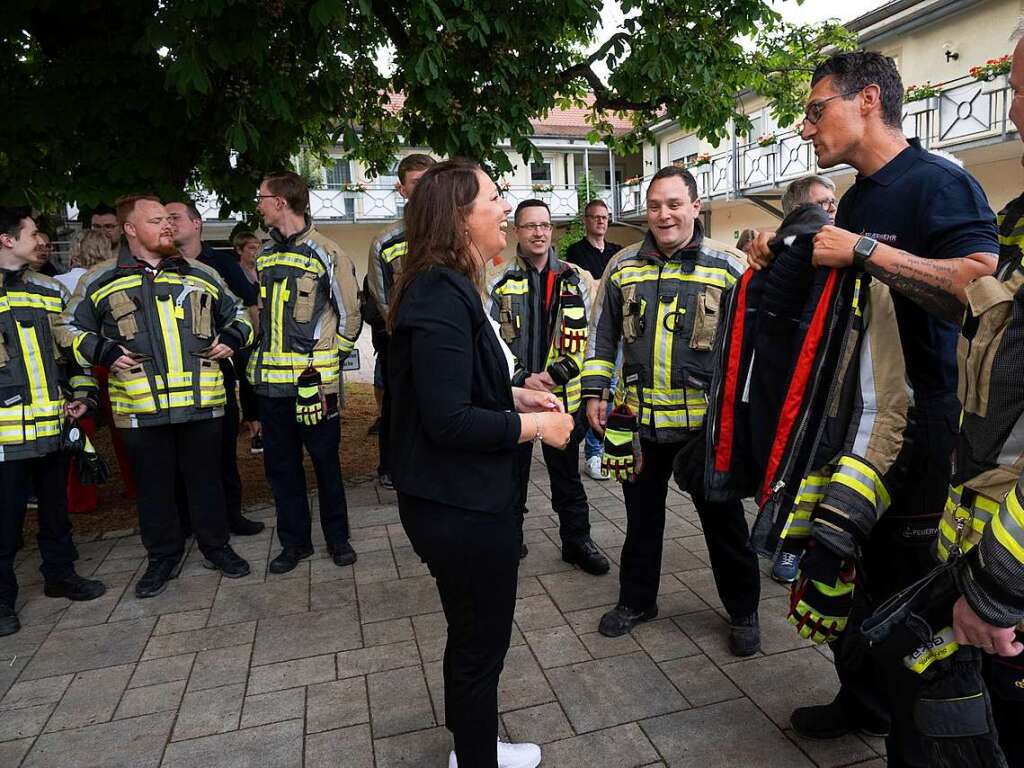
{"points": [[149, 299]]}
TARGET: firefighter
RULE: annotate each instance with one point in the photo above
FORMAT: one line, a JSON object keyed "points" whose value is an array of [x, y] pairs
{"points": [[309, 321], [161, 323], [660, 299], [542, 305], [42, 386]]}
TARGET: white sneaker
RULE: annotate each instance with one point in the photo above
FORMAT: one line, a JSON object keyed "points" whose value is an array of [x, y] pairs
{"points": [[594, 468], [523, 755]]}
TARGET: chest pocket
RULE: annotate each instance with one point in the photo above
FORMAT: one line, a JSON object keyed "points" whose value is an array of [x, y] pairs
{"points": [[633, 310], [122, 311], [508, 319], [200, 306], [991, 304], [305, 290], [705, 319]]}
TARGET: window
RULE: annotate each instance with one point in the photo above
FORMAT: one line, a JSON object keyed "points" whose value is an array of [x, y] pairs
{"points": [[540, 173], [684, 149], [340, 172]]}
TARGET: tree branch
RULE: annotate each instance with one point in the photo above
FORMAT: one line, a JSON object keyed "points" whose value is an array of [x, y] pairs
{"points": [[385, 12]]}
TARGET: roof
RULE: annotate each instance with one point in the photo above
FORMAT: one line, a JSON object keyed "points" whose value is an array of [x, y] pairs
{"points": [[563, 123]]}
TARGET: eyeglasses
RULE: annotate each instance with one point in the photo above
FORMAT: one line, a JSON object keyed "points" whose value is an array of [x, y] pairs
{"points": [[814, 110], [542, 226], [597, 218], [828, 204], [265, 197]]}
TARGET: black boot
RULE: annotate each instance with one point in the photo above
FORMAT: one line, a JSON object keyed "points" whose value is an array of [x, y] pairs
{"points": [[243, 526], [158, 573], [342, 554], [74, 587], [586, 555], [9, 623], [227, 561], [744, 636], [621, 619], [289, 558], [830, 721]]}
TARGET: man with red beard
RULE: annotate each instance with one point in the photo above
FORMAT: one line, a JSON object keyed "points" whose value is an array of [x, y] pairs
{"points": [[160, 323]]}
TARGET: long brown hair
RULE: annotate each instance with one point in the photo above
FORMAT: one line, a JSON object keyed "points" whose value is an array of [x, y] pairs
{"points": [[435, 226]]}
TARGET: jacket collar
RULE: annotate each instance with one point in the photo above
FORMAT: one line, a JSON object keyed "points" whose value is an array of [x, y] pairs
{"points": [[555, 264], [649, 248], [280, 239], [127, 261]]}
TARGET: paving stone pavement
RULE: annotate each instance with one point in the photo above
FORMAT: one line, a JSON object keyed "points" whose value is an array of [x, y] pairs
{"points": [[330, 666]]}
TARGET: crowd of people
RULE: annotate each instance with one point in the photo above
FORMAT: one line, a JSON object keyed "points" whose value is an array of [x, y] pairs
{"points": [[827, 369]]}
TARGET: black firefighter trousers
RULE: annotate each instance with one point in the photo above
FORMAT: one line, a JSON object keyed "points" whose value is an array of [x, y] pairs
{"points": [[733, 560]]}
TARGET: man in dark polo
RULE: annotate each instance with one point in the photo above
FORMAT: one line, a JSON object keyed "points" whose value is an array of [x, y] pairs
{"points": [[593, 251], [923, 226]]}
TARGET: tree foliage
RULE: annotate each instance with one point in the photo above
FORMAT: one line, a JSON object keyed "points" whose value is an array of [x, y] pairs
{"points": [[108, 96]]}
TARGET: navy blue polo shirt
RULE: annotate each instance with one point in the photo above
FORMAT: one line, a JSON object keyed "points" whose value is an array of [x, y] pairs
{"points": [[923, 204]]}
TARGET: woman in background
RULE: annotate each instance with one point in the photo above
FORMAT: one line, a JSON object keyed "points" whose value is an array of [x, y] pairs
{"points": [[455, 431]]}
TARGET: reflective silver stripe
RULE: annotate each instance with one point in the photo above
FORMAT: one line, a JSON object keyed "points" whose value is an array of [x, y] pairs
{"points": [[869, 406]]}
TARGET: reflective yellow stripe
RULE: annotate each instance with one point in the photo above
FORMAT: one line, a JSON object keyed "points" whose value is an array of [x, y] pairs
{"points": [[862, 478], [34, 364], [1015, 512], [701, 274], [344, 345], [277, 301], [122, 283], [21, 300], [395, 251], [305, 263], [663, 346], [942, 646], [513, 288], [173, 278], [171, 337], [598, 367]]}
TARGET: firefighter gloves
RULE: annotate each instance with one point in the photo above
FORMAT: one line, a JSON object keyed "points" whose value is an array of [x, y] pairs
{"points": [[820, 610], [309, 403], [622, 458], [574, 324]]}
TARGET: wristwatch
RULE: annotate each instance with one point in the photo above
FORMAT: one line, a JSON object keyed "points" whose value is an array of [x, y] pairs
{"points": [[862, 251]]}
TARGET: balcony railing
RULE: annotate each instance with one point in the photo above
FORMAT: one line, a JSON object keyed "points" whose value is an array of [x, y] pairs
{"points": [[965, 112]]}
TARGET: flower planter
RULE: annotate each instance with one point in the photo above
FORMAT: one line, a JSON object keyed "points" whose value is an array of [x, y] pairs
{"points": [[922, 105], [996, 84]]}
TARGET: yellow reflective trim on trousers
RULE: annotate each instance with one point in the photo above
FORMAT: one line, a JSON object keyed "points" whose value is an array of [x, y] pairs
{"points": [[34, 363], [171, 336], [663, 346], [278, 297], [120, 284], [395, 251], [305, 263]]}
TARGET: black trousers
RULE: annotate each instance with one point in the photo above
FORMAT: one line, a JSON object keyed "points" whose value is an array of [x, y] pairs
{"points": [[230, 478], [159, 455], [474, 558], [733, 561], [568, 498], [246, 394], [283, 441], [900, 550], [1004, 678], [384, 434], [46, 477]]}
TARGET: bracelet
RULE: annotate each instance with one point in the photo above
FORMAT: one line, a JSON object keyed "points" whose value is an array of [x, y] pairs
{"points": [[536, 425]]}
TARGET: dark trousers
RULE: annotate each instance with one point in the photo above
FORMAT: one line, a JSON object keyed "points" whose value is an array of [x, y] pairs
{"points": [[568, 498], [46, 477], [1004, 678], [246, 394], [900, 550], [159, 455], [230, 478], [474, 558], [733, 561], [384, 434], [283, 441]]}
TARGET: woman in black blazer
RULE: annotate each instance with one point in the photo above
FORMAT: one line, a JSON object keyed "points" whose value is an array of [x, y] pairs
{"points": [[454, 430]]}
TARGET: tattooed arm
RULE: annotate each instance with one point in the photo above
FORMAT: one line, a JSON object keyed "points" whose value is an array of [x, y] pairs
{"points": [[936, 285]]}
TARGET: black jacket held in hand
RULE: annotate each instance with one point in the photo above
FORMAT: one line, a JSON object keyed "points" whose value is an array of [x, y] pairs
{"points": [[454, 429]]}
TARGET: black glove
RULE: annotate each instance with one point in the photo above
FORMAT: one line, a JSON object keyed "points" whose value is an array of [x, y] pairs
{"points": [[92, 469], [688, 465]]}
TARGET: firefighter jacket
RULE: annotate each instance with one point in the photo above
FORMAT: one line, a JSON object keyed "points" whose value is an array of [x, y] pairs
{"points": [[1010, 228], [552, 340], [382, 268], [810, 402], [38, 373], [309, 312], [985, 508], [164, 317], [665, 311]]}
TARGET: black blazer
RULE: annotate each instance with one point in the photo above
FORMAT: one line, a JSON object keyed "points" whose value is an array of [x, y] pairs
{"points": [[454, 429]]}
